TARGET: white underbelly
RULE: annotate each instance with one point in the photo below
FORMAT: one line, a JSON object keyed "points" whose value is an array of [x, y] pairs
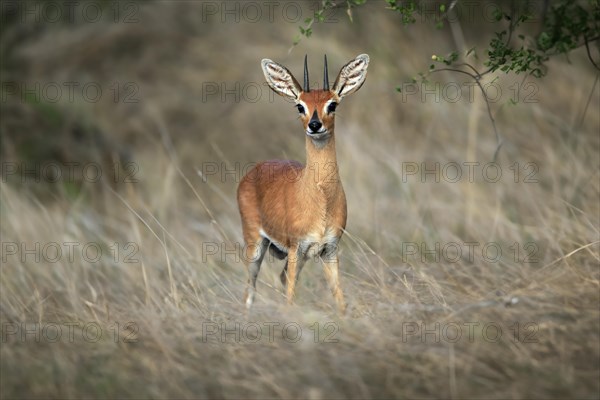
{"points": [[311, 246]]}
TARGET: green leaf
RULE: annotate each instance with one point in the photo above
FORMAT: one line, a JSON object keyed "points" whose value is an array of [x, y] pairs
{"points": [[497, 14]]}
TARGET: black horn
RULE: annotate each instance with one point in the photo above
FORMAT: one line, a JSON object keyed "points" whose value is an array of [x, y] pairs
{"points": [[306, 83], [326, 76]]}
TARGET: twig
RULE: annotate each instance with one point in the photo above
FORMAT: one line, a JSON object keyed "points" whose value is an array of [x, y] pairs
{"points": [[589, 100], [477, 79], [587, 49]]}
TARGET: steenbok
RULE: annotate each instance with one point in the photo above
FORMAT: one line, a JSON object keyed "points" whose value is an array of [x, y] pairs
{"points": [[299, 211]]}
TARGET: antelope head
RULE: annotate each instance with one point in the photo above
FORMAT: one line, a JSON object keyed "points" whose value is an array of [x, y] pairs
{"points": [[317, 107]]}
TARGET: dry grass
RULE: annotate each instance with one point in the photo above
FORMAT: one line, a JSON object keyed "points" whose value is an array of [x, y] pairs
{"points": [[180, 289]]}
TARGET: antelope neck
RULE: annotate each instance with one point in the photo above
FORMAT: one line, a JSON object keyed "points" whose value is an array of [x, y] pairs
{"points": [[321, 161]]}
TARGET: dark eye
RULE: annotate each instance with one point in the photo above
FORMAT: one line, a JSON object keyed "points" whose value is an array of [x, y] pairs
{"points": [[331, 107], [300, 108]]}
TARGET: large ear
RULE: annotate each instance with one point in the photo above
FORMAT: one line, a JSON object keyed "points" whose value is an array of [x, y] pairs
{"points": [[280, 79], [351, 76]]}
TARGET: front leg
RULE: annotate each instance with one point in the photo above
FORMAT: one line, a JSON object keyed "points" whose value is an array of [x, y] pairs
{"points": [[294, 265], [330, 266]]}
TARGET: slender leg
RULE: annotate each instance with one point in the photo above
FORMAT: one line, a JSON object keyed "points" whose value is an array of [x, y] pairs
{"points": [[283, 276], [330, 266], [254, 256], [294, 266]]}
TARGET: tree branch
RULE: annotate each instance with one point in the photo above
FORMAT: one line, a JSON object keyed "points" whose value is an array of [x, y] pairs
{"points": [[477, 78]]}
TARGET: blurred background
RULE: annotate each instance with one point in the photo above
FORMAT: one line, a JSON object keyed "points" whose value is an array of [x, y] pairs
{"points": [[126, 127]]}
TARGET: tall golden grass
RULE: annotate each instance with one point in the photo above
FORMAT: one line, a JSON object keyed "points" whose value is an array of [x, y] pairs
{"points": [[166, 292]]}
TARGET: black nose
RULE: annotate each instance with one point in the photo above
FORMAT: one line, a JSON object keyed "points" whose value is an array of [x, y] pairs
{"points": [[315, 125]]}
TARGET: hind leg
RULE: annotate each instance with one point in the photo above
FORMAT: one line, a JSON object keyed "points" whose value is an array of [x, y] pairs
{"points": [[254, 256], [283, 276], [291, 271], [301, 256]]}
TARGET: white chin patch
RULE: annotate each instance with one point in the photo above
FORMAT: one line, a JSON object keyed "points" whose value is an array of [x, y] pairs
{"points": [[318, 136]]}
